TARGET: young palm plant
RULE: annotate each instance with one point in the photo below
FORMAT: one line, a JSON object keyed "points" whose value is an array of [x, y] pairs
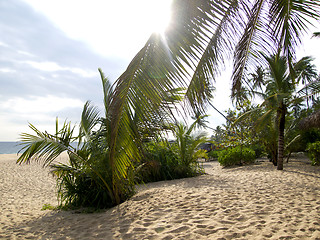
{"points": [[90, 177], [100, 168], [86, 178], [188, 144]]}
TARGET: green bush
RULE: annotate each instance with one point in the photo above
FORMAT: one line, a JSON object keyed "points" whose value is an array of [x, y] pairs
{"points": [[214, 154], [161, 162], [236, 156], [83, 184], [258, 149], [314, 152]]}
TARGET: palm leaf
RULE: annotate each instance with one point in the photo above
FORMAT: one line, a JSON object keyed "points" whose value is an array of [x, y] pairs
{"points": [[312, 87], [44, 146], [89, 119], [200, 88], [138, 95], [255, 39]]}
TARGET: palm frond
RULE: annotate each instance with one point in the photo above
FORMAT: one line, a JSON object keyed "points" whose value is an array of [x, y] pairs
{"points": [[247, 114], [306, 71], [138, 96], [217, 48], [290, 20], [89, 119], [316, 34], [44, 146], [254, 39], [313, 89], [264, 119], [107, 91]]}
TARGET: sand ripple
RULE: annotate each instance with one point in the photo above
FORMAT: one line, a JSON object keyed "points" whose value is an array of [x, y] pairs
{"points": [[249, 202]]}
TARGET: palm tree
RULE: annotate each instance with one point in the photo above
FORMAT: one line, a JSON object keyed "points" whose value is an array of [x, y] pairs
{"points": [[86, 179], [108, 145], [203, 34], [188, 144], [279, 90], [279, 94]]}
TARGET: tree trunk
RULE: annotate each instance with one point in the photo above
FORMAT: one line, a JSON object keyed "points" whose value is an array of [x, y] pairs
{"points": [[275, 157], [289, 155], [282, 119]]}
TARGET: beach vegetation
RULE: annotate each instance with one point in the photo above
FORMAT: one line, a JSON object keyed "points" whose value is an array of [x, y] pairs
{"points": [[280, 103], [48, 206], [314, 152], [101, 172], [236, 156], [166, 160], [85, 180], [213, 155], [180, 67], [94, 175]]}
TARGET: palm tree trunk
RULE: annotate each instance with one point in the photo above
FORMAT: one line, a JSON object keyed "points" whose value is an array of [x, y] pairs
{"points": [[282, 118]]}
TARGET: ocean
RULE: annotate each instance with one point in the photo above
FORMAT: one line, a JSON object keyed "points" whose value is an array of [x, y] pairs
{"points": [[9, 147], [14, 147]]}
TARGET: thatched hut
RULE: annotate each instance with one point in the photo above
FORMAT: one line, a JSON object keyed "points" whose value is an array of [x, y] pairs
{"points": [[313, 121]]}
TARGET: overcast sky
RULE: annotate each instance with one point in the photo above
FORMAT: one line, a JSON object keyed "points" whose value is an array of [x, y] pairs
{"points": [[50, 52]]}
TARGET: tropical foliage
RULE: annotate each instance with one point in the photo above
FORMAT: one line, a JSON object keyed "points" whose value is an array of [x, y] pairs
{"points": [[93, 177], [166, 160], [236, 156], [90, 177], [314, 152], [204, 34], [278, 84], [182, 65]]}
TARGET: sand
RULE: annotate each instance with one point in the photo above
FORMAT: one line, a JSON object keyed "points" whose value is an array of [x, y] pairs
{"points": [[248, 202]]}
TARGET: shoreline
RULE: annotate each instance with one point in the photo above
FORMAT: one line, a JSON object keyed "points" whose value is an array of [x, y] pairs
{"points": [[248, 202]]}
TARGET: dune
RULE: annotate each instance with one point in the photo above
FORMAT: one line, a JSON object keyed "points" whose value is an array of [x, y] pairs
{"points": [[247, 202]]}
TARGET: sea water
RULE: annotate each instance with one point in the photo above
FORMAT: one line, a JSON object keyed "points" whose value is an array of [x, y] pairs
{"points": [[9, 147], [14, 147]]}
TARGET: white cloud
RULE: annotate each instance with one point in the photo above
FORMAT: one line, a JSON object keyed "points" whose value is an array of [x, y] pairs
{"points": [[54, 67], [7, 70], [45, 66], [4, 44], [25, 53], [40, 105]]}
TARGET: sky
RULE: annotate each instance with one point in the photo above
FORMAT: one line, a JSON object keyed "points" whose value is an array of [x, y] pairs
{"points": [[50, 52]]}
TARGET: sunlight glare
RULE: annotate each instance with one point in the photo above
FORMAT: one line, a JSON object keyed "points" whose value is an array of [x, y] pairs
{"points": [[159, 14], [108, 25]]}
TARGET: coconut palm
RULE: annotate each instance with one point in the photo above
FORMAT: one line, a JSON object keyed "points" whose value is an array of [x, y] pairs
{"points": [[204, 34], [86, 178], [280, 84], [108, 145]]}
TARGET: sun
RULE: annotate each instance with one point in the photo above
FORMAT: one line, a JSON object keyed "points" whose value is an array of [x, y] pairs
{"points": [[158, 15]]}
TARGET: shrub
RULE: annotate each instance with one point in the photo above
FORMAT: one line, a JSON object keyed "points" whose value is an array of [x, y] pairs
{"points": [[158, 164], [161, 162], [314, 152], [213, 155], [89, 183], [258, 149], [236, 156]]}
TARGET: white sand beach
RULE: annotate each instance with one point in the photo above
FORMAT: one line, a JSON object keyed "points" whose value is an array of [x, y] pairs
{"points": [[248, 202]]}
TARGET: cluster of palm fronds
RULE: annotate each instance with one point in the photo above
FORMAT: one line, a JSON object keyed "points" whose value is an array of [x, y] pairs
{"points": [[90, 177], [100, 174]]}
